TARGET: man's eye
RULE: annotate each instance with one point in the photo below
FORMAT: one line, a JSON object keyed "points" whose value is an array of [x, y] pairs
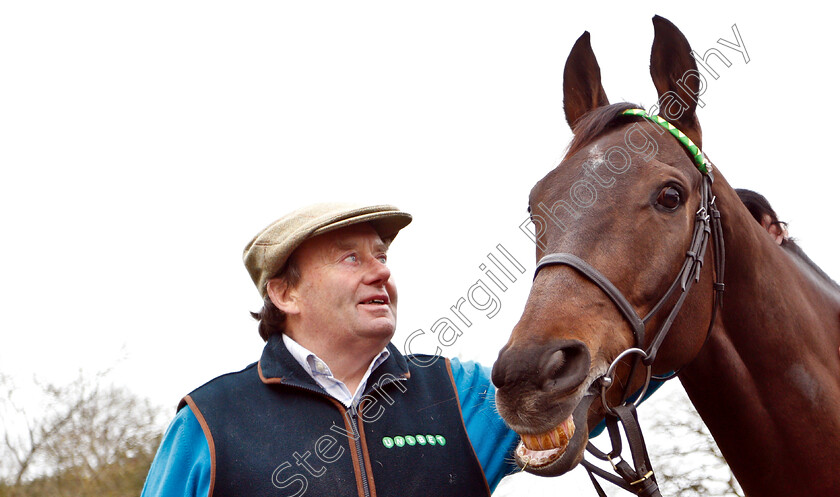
{"points": [[383, 259], [351, 258]]}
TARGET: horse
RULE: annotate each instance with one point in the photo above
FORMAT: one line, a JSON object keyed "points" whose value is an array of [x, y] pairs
{"points": [[755, 341]]}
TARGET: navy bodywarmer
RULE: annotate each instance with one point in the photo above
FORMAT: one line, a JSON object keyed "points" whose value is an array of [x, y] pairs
{"points": [[273, 431]]}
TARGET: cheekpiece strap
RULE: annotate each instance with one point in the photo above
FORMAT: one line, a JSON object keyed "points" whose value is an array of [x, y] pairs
{"points": [[694, 150]]}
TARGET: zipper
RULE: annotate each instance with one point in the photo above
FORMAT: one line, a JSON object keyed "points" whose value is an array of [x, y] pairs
{"points": [[357, 439], [359, 452], [354, 418]]}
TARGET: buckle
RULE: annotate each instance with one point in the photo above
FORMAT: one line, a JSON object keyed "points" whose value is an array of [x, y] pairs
{"points": [[640, 480]]}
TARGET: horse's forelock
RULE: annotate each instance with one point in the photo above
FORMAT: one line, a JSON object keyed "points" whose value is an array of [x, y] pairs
{"points": [[596, 123]]}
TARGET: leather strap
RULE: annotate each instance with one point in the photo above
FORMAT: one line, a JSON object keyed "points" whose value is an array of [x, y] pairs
{"points": [[603, 283], [638, 478]]}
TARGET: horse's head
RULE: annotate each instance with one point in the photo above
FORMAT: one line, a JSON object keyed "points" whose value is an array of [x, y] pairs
{"points": [[624, 200]]}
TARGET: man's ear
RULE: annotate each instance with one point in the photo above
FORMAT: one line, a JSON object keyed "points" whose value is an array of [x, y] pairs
{"points": [[282, 296]]}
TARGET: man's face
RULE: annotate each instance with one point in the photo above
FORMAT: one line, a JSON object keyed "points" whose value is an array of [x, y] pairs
{"points": [[345, 291]]}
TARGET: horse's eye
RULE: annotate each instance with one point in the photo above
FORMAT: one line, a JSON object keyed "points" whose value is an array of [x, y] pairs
{"points": [[669, 198]]}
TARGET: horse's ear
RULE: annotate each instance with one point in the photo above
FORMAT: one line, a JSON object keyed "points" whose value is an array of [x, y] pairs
{"points": [[582, 90], [675, 75]]}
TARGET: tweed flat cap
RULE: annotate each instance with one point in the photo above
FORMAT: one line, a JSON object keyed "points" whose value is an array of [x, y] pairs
{"points": [[268, 252]]}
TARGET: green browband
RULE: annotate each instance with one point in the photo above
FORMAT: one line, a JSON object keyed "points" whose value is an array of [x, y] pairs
{"points": [[693, 149]]}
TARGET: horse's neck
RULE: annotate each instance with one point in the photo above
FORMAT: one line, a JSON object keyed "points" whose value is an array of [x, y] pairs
{"points": [[767, 383]]}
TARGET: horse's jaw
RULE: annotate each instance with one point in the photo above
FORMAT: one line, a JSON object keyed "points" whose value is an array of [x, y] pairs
{"points": [[558, 461]]}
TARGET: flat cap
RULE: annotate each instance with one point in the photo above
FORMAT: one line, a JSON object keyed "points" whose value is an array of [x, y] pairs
{"points": [[268, 252]]}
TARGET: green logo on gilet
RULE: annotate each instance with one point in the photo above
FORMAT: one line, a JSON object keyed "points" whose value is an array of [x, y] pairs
{"points": [[411, 440]]}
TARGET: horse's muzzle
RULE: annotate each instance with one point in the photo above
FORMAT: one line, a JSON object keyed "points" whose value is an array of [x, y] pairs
{"points": [[537, 383]]}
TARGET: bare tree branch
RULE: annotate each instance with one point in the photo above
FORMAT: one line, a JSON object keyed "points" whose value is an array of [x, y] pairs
{"points": [[686, 458], [91, 436]]}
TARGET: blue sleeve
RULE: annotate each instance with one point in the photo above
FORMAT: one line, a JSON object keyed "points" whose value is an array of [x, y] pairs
{"points": [[492, 440], [182, 465]]}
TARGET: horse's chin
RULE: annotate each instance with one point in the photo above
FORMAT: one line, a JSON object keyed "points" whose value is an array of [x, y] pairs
{"points": [[563, 458]]}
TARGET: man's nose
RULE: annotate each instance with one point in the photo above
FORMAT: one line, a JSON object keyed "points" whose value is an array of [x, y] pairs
{"points": [[378, 271]]}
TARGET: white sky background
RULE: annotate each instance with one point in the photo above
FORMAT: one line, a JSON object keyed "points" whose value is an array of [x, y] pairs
{"points": [[143, 144]]}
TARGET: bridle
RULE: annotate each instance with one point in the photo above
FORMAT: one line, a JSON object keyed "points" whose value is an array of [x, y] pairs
{"points": [[640, 479]]}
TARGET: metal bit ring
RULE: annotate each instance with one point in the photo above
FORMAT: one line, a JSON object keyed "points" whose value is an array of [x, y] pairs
{"points": [[607, 380]]}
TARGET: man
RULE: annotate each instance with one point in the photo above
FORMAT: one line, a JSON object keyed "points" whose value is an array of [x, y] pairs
{"points": [[332, 407]]}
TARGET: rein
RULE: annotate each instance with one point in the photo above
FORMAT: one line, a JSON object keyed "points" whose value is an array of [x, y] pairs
{"points": [[640, 478]]}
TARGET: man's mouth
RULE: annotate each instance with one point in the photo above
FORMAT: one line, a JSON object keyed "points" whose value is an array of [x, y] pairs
{"points": [[377, 300]]}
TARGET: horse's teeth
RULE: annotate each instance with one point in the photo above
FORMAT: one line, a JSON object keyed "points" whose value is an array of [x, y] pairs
{"points": [[558, 438], [568, 427]]}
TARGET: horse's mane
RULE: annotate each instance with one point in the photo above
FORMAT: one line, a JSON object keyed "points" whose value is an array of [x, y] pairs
{"points": [[792, 247], [595, 123]]}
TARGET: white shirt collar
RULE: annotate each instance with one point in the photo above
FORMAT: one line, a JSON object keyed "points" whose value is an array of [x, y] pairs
{"points": [[321, 373]]}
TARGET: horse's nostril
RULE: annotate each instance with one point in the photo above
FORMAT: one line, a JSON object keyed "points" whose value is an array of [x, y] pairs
{"points": [[564, 366], [555, 364], [558, 367]]}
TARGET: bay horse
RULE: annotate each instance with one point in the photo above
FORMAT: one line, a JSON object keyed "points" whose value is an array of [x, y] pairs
{"points": [[762, 370]]}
